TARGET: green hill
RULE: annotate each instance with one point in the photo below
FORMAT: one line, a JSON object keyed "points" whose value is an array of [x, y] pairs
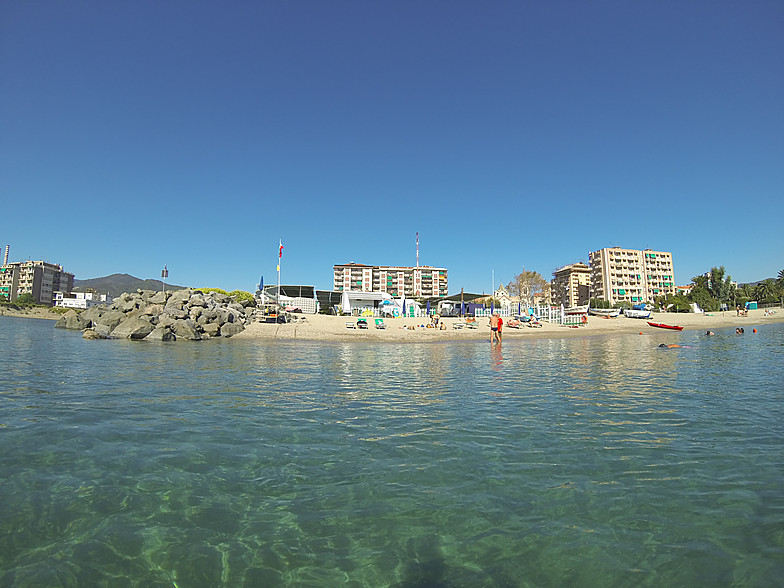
{"points": [[116, 284]]}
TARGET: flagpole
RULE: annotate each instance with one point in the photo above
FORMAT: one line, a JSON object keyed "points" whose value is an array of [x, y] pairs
{"points": [[280, 257]]}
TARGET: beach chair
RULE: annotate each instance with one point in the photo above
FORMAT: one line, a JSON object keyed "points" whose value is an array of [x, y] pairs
{"points": [[362, 324], [350, 325], [380, 324]]}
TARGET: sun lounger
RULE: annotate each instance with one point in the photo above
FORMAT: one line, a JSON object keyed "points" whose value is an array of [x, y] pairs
{"points": [[351, 325], [380, 324], [362, 324]]}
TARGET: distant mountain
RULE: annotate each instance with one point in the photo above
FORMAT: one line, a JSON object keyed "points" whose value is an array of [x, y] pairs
{"points": [[116, 284]]}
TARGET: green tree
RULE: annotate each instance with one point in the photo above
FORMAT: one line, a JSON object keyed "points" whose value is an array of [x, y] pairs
{"points": [[25, 299], [721, 288], [704, 299], [677, 303], [780, 280], [526, 284]]}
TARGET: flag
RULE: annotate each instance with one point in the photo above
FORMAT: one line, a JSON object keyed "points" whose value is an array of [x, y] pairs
{"points": [[280, 251]]}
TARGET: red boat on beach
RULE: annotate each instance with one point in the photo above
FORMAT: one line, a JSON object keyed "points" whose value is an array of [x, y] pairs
{"points": [[663, 326]]}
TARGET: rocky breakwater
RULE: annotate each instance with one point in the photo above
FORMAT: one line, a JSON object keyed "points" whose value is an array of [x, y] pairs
{"points": [[190, 315]]}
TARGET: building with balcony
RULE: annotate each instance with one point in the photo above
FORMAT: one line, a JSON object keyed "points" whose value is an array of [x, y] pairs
{"points": [[571, 285], [414, 282], [39, 278], [631, 275]]}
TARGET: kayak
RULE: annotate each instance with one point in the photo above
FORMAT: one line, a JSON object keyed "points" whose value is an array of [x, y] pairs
{"points": [[663, 326]]}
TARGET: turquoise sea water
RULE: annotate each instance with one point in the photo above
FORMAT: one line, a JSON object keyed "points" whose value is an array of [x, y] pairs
{"points": [[600, 461]]}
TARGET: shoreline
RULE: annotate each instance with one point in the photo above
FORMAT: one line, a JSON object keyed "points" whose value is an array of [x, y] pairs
{"points": [[333, 328], [326, 328]]}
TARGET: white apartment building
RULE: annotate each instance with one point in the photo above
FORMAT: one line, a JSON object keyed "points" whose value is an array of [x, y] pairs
{"points": [[422, 281], [631, 275]]}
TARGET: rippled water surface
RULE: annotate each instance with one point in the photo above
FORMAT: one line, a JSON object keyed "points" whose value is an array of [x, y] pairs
{"points": [[602, 461]]}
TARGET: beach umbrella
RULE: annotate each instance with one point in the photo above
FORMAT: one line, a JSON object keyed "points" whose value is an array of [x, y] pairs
{"points": [[427, 310], [519, 308], [404, 307], [492, 306], [462, 308]]}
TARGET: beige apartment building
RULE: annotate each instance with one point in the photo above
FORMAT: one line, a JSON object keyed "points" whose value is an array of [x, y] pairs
{"points": [[423, 281], [39, 278], [571, 285], [631, 275]]}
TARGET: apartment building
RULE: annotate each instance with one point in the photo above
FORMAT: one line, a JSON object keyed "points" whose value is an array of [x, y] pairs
{"points": [[571, 285], [414, 282], [39, 278], [631, 275]]}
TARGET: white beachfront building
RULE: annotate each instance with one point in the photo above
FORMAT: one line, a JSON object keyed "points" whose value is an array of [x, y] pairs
{"points": [[378, 304], [80, 299]]}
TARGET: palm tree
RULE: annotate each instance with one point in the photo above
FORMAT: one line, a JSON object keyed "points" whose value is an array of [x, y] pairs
{"points": [[767, 290], [780, 280]]}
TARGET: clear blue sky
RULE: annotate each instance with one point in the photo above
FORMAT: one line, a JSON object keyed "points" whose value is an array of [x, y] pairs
{"points": [[510, 135]]}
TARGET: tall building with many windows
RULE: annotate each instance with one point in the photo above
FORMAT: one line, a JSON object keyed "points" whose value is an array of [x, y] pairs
{"points": [[423, 281], [39, 278], [631, 275], [571, 285]]}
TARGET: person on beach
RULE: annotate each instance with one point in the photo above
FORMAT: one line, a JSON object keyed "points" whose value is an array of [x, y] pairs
{"points": [[495, 327], [709, 333]]}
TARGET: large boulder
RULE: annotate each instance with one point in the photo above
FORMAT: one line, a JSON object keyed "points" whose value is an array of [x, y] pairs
{"points": [[161, 334], [211, 329], [137, 327], [91, 334], [72, 320], [178, 300], [109, 318], [159, 298], [230, 329], [186, 329]]}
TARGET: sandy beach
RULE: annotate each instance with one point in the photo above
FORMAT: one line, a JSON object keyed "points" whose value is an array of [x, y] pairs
{"points": [[333, 328], [401, 330]]}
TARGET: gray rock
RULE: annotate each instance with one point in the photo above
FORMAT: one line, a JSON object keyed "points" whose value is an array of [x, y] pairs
{"points": [[109, 318], [133, 328], [197, 300], [72, 320], [103, 330], [161, 334], [230, 329], [178, 299], [90, 334], [159, 298], [211, 330], [186, 329]]}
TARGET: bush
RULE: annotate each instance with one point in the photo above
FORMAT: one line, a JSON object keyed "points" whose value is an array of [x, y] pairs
{"points": [[25, 299], [238, 295]]}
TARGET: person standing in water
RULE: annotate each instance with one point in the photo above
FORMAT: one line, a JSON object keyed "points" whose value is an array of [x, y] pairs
{"points": [[495, 327]]}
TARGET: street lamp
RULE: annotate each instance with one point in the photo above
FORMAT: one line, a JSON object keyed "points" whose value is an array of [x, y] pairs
{"points": [[164, 275]]}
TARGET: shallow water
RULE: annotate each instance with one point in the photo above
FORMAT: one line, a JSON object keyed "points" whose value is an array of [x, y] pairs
{"points": [[601, 461]]}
